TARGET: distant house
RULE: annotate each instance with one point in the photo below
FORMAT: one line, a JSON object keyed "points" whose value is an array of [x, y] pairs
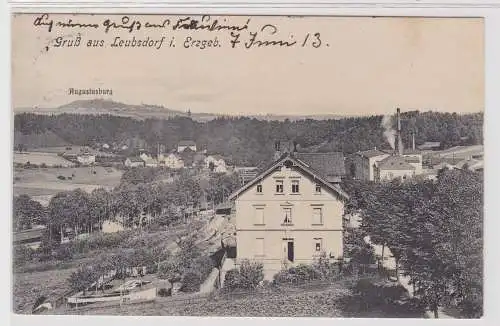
{"points": [[184, 144], [217, 162], [361, 164], [134, 162], [173, 161], [105, 146], [86, 158], [393, 167]]}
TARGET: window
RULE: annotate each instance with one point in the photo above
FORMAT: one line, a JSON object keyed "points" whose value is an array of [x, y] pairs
{"points": [[317, 215], [295, 186], [318, 188], [287, 215], [259, 189], [259, 247], [259, 216], [318, 245], [279, 186]]}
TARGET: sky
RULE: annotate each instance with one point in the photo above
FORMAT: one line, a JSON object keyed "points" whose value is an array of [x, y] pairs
{"points": [[370, 66]]}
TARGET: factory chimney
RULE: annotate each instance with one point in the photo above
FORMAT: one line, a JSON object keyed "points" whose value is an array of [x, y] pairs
{"points": [[398, 143]]}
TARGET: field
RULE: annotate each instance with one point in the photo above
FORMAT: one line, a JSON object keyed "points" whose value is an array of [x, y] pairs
{"points": [[42, 183], [62, 149], [38, 158]]}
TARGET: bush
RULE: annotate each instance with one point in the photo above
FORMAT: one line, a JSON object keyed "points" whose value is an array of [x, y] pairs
{"points": [[249, 275], [325, 268], [299, 274], [164, 292], [376, 293], [191, 281]]}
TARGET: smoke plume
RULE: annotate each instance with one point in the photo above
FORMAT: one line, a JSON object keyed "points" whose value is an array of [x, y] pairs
{"points": [[389, 132]]}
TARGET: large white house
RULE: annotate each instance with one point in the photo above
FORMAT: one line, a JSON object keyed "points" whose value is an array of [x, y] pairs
{"points": [[292, 212]]}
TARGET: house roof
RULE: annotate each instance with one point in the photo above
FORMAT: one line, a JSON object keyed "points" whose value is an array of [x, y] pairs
{"points": [[429, 145], [327, 164], [187, 143], [395, 163], [371, 153], [300, 164], [412, 159]]}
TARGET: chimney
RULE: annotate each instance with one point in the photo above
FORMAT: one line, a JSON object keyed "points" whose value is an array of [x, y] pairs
{"points": [[413, 140], [294, 146]]}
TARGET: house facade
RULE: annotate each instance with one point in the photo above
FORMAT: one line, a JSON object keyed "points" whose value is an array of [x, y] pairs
{"points": [[288, 215]]}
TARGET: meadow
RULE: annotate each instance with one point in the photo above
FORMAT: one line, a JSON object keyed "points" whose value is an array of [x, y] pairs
{"points": [[43, 183]]}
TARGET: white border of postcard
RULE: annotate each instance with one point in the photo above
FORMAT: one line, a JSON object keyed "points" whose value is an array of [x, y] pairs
{"points": [[490, 9]]}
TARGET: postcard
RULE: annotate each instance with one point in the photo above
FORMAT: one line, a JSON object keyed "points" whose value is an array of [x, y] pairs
{"points": [[247, 166]]}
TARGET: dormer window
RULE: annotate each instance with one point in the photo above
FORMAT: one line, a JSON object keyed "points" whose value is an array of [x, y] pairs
{"points": [[318, 188], [259, 188]]}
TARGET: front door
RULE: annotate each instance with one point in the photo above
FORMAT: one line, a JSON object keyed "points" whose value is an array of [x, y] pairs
{"points": [[288, 250]]}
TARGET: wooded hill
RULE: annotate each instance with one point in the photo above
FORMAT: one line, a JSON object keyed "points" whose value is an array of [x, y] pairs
{"points": [[249, 141]]}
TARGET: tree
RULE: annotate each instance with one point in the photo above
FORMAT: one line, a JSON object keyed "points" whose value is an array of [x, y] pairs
{"points": [[82, 278], [27, 212], [434, 231]]}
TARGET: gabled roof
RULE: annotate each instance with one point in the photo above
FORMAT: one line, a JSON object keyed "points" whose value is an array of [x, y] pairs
{"points": [[187, 143], [395, 163], [298, 163], [327, 164]]}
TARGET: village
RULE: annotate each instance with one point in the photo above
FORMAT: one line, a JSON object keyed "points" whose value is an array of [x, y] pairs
{"points": [[287, 222]]}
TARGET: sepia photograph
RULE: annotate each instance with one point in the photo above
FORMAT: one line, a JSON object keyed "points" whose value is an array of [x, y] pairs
{"points": [[247, 166]]}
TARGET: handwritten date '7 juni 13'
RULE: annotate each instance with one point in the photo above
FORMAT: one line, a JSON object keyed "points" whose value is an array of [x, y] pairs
{"points": [[238, 35]]}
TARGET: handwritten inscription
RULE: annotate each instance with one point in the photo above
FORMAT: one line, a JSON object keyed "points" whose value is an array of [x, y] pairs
{"points": [[183, 32]]}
